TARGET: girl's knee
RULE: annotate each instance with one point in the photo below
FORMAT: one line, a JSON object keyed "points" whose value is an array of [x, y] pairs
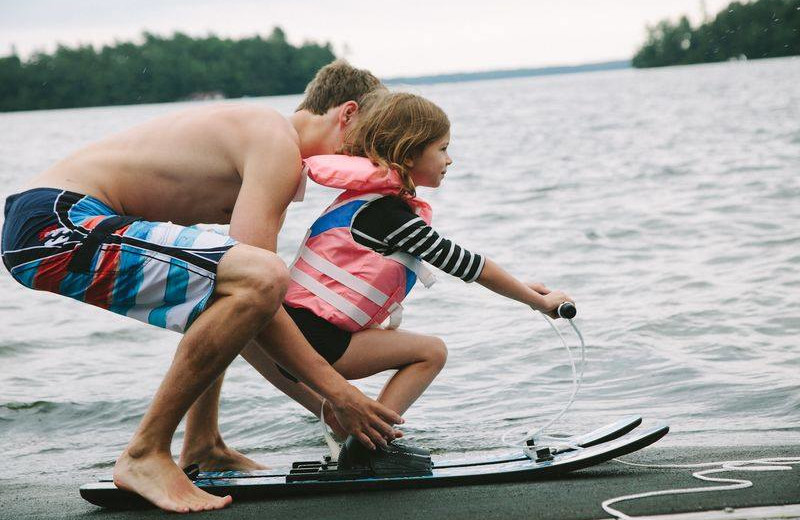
{"points": [[437, 352]]}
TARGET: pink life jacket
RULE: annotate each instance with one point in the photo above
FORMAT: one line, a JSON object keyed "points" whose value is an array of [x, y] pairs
{"points": [[335, 277]]}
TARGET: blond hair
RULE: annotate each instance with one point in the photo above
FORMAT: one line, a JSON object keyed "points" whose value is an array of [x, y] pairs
{"points": [[395, 127], [337, 83]]}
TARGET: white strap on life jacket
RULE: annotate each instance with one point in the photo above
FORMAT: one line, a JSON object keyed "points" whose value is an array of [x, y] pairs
{"points": [[337, 301], [300, 194], [343, 277], [395, 316], [348, 280], [424, 274]]}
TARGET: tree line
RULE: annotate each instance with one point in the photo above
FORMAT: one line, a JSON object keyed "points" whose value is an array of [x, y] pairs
{"points": [[160, 69], [760, 29]]}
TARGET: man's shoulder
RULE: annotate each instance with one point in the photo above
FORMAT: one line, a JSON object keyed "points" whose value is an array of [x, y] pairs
{"points": [[254, 129], [266, 128], [255, 119]]}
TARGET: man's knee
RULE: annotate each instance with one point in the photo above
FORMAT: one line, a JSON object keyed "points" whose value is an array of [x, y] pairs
{"points": [[255, 277], [270, 279]]}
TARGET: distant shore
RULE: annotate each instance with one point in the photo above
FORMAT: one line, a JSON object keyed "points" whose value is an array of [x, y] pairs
{"points": [[457, 77]]}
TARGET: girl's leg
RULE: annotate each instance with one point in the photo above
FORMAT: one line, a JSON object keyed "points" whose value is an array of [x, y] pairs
{"points": [[417, 357]]}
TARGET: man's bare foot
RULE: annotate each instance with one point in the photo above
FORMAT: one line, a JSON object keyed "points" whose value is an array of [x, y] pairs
{"points": [[218, 458], [156, 477]]}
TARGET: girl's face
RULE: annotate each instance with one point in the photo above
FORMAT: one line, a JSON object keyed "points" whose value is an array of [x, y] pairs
{"points": [[429, 168]]}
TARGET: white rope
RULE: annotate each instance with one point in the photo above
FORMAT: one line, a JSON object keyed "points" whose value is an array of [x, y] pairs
{"points": [[333, 446], [766, 464], [577, 381]]}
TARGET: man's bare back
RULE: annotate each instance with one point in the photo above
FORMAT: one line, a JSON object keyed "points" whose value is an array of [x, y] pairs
{"points": [[185, 167]]}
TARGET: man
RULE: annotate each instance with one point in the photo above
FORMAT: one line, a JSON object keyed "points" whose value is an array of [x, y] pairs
{"points": [[108, 226]]}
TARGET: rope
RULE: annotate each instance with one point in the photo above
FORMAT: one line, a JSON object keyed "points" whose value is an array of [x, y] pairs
{"points": [[577, 381], [766, 464]]}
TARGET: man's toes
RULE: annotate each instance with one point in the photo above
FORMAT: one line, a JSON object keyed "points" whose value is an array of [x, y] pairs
{"points": [[175, 506]]}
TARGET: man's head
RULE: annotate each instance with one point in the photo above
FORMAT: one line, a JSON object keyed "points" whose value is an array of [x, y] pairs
{"points": [[335, 84], [331, 104]]}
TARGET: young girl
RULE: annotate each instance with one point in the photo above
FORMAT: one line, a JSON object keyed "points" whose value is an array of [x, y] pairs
{"points": [[362, 255]]}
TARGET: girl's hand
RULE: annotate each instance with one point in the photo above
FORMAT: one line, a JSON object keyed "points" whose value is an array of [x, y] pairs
{"points": [[551, 302], [539, 288]]}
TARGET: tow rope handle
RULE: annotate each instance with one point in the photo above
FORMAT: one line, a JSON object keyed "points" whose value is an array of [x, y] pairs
{"points": [[567, 310]]}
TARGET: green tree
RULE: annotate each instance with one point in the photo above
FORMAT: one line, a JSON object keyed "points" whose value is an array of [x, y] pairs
{"points": [[760, 29], [159, 69]]}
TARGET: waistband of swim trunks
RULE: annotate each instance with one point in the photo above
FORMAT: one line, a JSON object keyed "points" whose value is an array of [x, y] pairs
{"points": [[21, 196]]}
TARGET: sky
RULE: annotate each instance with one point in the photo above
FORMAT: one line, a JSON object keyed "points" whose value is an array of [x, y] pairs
{"points": [[391, 38]]}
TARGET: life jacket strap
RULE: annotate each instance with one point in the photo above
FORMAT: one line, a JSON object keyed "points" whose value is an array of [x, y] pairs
{"points": [[350, 281], [424, 274], [395, 316], [337, 301]]}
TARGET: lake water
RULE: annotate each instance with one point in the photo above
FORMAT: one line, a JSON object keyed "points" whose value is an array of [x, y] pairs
{"points": [[666, 201]]}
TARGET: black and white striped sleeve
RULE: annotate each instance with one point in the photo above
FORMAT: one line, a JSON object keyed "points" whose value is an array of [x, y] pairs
{"points": [[388, 225]]}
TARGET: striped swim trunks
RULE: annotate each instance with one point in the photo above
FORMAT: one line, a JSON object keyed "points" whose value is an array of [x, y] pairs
{"points": [[75, 245]]}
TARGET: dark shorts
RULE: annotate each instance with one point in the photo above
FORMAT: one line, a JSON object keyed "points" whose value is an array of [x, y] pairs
{"points": [[75, 245], [327, 339]]}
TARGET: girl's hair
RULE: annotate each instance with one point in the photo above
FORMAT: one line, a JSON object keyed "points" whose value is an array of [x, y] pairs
{"points": [[393, 128]]}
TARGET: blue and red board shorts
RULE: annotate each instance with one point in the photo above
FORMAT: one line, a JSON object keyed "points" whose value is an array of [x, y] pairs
{"points": [[75, 245]]}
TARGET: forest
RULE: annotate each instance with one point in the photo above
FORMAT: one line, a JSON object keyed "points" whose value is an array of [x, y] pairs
{"points": [[760, 29], [160, 69]]}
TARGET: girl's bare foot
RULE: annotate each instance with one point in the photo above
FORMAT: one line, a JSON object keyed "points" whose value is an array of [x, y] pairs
{"points": [[158, 479]]}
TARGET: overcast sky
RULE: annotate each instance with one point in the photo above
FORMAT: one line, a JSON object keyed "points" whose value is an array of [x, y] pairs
{"points": [[394, 38]]}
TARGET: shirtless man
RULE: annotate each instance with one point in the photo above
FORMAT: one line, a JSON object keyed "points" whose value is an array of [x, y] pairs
{"points": [[110, 226]]}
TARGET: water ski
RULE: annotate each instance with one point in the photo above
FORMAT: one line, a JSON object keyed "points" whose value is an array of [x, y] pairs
{"points": [[405, 470]]}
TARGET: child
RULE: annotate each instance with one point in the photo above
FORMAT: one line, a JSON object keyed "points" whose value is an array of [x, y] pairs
{"points": [[362, 255]]}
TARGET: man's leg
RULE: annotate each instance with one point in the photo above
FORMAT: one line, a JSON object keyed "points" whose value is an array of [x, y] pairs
{"points": [[250, 286], [203, 443]]}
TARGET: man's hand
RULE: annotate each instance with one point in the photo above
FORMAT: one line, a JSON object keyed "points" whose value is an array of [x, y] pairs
{"points": [[370, 421], [339, 433]]}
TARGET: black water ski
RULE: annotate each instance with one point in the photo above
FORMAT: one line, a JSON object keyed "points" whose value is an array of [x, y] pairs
{"points": [[600, 435], [597, 436], [105, 494]]}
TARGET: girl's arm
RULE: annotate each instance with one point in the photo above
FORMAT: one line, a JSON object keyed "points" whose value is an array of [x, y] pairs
{"points": [[539, 297], [388, 224]]}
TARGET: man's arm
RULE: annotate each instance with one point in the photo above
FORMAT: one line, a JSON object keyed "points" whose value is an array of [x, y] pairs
{"points": [[370, 421], [254, 354], [270, 177]]}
